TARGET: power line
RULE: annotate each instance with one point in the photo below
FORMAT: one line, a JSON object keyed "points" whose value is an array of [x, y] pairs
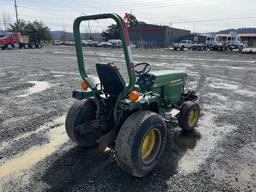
{"points": [[163, 3], [139, 5], [50, 11]]}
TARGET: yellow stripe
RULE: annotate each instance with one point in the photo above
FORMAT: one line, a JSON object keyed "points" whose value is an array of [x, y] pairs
{"points": [[179, 83], [173, 82]]}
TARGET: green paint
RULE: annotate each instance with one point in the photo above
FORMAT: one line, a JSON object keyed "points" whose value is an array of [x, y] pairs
{"points": [[80, 58], [166, 88]]}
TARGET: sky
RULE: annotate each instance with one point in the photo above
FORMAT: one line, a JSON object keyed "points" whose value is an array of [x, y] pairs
{"points": [[196, 15]]}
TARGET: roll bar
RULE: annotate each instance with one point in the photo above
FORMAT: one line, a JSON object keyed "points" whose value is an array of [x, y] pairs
{"points": [[125, 45]]}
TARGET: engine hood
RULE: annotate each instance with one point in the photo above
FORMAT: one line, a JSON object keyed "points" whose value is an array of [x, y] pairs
{"points": [[168, 77]]}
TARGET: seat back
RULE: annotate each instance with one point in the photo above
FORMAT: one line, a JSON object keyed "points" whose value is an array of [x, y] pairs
{"points": [[110, 78]]}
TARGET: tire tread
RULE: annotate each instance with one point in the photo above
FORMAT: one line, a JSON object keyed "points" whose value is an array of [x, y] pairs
{"points": [[127, 132]]}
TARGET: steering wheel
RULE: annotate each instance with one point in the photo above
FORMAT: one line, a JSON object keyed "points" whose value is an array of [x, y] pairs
{"points": [[145, 70]]}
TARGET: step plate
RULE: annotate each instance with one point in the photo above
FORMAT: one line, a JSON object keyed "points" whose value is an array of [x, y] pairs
{"points": [[171, 114]]}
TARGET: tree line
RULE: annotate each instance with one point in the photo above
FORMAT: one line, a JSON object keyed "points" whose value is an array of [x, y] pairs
{"points": [[37, 30], [112, 31]]}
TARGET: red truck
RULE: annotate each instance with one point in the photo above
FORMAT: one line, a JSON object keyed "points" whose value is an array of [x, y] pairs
{"points": [[12, 40]]}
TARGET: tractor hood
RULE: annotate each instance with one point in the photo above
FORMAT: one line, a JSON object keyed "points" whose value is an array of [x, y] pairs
{"points": [[168, 84], [164, 77]]}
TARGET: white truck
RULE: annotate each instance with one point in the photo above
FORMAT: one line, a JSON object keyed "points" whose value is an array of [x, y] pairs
{"points": [[213, 42], [116, 43], [182, 45], [233, 41]]}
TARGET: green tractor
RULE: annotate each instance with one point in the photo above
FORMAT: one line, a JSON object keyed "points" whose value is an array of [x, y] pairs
{"points": [[129, 118]]}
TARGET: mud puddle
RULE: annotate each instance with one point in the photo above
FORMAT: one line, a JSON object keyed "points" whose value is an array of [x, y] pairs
{"points": [[210, 132], [25, 161], [231, 86], [38, 86], [72, 58], [52, 124], [64, 73], [37, 75]]}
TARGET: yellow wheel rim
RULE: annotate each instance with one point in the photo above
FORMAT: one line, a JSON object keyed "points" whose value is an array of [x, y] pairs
{"points": [[148, 144], [193, 117]]}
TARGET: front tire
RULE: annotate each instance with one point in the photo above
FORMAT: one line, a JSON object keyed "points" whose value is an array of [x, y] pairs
{"points": [[140, 143], [80, 113], [189, 115]]}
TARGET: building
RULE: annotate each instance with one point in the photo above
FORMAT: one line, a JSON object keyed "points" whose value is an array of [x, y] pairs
{"points": [[152, 36], [249, 39], [194, 37]]}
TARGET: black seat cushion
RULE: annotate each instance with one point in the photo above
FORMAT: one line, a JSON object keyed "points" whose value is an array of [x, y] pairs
{"points": [[110, 78]]}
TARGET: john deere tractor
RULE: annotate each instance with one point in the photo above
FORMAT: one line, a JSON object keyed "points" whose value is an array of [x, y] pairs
{"points": [[129, 118]]}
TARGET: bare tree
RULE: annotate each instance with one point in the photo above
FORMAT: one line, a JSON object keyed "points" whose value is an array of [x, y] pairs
{"points": [[5, 21]]}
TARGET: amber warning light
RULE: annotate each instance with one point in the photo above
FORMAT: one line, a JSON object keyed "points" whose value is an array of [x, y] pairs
{"points": [[84, 85], [133, 96]]}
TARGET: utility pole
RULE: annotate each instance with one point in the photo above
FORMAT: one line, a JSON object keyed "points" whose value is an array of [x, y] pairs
{"points": [[16, 12]]}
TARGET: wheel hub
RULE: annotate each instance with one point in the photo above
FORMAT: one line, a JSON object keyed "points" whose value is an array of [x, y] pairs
{"points": [[192, 118], [150, 145]]}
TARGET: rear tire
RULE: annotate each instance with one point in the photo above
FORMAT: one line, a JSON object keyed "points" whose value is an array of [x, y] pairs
{"points": [[26, 46], [32, 46], [39, 46], [81, 112], [189, 115], [140, 143], [9, 46]]}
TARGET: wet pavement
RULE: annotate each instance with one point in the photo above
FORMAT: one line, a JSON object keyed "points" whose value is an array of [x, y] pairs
{"points": [[36, 154]]}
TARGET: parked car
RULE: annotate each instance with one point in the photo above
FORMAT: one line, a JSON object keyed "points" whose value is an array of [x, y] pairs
{"points": [[104, 44], [86, 43], [233, 41], [89, 43], [182, 45], [68, 43], [94, 44], [57, 42], [116, 43]]}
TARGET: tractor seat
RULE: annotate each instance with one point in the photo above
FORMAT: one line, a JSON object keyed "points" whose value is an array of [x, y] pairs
{"points": [[111, 79]]}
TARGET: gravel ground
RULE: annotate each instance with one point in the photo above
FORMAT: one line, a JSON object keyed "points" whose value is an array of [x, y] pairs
{"points": [[36, 155]]}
